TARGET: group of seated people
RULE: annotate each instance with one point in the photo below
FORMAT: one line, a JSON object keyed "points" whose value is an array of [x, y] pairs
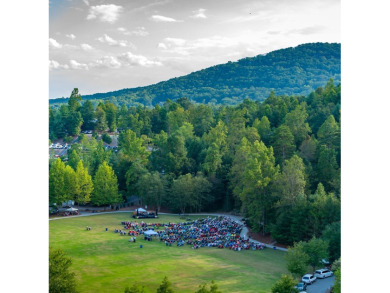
{"points": [[220, 232]]}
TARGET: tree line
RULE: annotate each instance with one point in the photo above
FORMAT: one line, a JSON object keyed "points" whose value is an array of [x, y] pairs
{"points": [[277, 162]]}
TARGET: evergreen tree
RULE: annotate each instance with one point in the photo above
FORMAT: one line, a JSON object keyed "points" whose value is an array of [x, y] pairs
{"points": [[308, 149], [73, 102], [296, 121], [88, 114], [283, 144], [291, 183], [101, 123], [329, 133], [165, 287], [327, 168], [264, 128], [61, 279], [259, 172], [111, 111], [213, 288], [332, 234]]}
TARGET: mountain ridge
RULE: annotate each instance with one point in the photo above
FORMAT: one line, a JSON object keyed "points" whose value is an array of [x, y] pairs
{"points": [[291, 71]]}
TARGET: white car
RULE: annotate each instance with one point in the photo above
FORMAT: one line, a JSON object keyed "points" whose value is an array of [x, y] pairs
{"points": [[323, 273], [308, 279]]}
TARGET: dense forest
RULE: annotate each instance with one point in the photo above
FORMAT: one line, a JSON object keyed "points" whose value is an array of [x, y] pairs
{"points": [[277, 161], [292, 71]]}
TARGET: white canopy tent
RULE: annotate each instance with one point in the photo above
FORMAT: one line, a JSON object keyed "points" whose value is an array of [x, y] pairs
{"points": [[141, 210], [150, 233], [71, 209]]}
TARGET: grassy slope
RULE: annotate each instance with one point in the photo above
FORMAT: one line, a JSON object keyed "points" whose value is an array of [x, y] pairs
{"points": [[107, 262]]}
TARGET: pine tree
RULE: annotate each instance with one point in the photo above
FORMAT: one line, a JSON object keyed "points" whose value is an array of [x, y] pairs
{"points": [[291, 183], [61, 280], [283, 143], [165, 287]]}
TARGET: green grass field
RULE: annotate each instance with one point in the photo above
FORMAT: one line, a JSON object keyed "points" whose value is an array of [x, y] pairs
{"points": [[107, 262]]}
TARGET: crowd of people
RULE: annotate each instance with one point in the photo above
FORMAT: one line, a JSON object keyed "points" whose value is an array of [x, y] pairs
{"points": [[220, 232]]}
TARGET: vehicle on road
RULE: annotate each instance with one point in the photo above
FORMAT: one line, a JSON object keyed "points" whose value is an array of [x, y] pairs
{"points": [[323, 273], [308, 279], [143, 214], [53, 210], [301, 286]]}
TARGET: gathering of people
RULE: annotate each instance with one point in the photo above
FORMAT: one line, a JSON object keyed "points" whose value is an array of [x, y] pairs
{"points": [[220, 232]]}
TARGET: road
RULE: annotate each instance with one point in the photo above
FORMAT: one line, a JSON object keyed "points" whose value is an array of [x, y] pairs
{"points": [[321, 285]]}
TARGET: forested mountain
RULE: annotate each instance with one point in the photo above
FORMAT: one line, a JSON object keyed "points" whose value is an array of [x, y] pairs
{"points": [[292, 71]]}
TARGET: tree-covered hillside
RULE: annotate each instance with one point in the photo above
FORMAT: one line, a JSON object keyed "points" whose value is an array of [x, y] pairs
{"points": [[292, 71], [276, 161]]}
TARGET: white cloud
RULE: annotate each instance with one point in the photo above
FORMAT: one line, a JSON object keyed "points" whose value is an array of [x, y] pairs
{"points": [[55, 65], [175, 41], [160, 18], [75, 65], [86, 47], [110, 41], [86, 2], [199, 13], [138, 31], [71, 36], [107, 62], [162, 46], [186, 47], [54, 44], [129, 58], [106, 13]]}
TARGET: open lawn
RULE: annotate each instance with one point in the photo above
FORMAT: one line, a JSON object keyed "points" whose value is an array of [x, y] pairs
{"points": [[107, 262]]}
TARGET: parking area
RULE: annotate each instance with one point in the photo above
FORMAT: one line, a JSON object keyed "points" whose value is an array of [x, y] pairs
{"points": [[321, 285]]}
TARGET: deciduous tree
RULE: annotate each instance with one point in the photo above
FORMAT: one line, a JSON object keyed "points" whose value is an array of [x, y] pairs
{"points": [[84, 181], [286, 284], [57, 191], [297, 260], [105, 187]]}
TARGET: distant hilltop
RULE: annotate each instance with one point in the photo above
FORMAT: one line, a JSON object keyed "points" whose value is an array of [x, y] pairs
{"points": [[291, 71]]}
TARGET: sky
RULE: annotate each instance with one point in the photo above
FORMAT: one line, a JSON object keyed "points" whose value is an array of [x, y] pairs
{"points": [[106, 45]]}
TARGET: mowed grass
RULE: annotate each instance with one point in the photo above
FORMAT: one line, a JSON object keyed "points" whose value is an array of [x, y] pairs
{"points": [[107, 262]]}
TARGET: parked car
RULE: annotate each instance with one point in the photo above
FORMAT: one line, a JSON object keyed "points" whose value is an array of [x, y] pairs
{"points": [[323, 273], [301, 286], [308, 279], [53, 210]]}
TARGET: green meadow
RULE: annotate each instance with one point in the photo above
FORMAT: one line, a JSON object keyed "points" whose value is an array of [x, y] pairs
{"points": [[107, 262]]}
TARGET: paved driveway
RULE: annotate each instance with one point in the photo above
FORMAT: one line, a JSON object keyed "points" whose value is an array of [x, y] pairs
{"points": [[321, 285]]}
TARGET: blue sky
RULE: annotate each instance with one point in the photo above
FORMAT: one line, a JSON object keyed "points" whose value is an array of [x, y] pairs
{"points": [[106, 45]]}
